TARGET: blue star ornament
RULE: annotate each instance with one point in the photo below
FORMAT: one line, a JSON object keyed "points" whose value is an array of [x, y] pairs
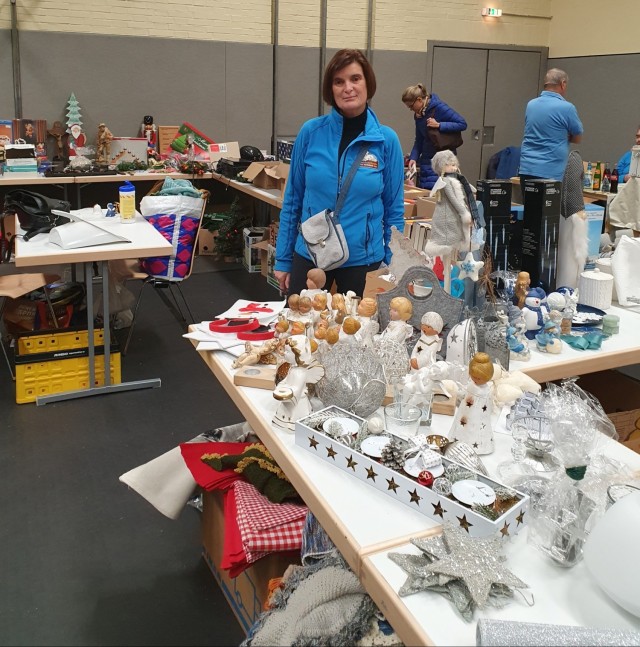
{"points": [[469, 267]]}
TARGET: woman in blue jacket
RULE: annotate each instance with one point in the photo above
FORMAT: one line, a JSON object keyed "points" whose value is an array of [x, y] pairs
{"points": [[430, 111], [324, 151]]}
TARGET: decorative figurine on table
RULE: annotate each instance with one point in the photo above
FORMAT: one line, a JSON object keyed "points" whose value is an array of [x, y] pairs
{"points": [[398, 330], [521, 289], [472, 422], [111, 210], [319, 305], [316, 280], [534, 311], [429, 345], [516, 338], [369, 328], [418, 387], [548, 339], [103, 144], [57, 132], [454, 213], [350, 327], [339, 307], [264, 353], [150, 131], [292, 392]]}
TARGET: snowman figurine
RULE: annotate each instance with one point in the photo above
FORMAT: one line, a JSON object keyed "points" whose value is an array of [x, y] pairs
{"points": [[535, 311]]}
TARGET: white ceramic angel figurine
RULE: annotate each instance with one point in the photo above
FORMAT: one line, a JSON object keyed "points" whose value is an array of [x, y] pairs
{"points": [[398, 330], [428, 346], [367, 309], [472, 422], [292, 393]]}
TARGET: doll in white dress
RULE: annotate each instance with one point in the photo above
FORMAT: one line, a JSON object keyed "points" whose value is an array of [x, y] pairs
{"points": [[472, 422], [398, 330], [367, 309], [428, 346]]}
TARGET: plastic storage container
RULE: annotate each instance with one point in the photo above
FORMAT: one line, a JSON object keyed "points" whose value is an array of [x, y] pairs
{"points": [[127, 202]]}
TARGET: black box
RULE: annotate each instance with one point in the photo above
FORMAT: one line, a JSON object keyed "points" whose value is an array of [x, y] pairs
{"points": [[495, 196], [540, 232]]}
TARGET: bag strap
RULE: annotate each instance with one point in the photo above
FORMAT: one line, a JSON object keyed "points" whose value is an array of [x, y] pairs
{"points": [[347, 182]]}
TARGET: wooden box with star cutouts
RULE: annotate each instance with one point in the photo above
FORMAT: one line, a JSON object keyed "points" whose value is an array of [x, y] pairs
{"points": [[317, 435]]}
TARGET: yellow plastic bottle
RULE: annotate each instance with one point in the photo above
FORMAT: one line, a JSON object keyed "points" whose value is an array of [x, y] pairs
{"points": [[127, 202]]}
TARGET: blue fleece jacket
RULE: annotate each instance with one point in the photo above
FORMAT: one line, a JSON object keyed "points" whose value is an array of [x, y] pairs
{"points": [[374, 202], [450, 122]]}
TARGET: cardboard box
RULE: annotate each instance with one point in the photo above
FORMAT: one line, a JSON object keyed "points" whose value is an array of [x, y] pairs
{"points": [[207, 242], [201, 142], [247, 593], [540, 231], [251, 258], [267, 175], [224, 149], [425, 207], [375, 285], [403, 488], [166, 134]]}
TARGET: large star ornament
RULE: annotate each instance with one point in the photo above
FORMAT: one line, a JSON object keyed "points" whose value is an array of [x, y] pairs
{"points": [[469, 267], [478, 562]]}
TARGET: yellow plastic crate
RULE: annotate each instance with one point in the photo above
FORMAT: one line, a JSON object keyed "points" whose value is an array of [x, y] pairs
{"points": [[52, 341], [58, 375], [52, 361]]}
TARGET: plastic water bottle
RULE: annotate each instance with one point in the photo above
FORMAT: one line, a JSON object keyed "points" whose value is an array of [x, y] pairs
{"points": [[127, 202], [588, 177]]}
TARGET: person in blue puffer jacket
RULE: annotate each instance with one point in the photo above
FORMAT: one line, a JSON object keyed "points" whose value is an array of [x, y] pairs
{"points": [[430, 111], [323, 153]]}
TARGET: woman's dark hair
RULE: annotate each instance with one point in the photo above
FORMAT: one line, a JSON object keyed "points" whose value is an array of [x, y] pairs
{"points": [[339, 61]]}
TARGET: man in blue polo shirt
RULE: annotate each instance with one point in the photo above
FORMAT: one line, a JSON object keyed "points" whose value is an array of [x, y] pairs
{"points": [[624, 163], [551, 123]]}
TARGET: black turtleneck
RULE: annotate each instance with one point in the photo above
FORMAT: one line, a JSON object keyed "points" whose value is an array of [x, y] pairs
{"points": [[351, 128]]}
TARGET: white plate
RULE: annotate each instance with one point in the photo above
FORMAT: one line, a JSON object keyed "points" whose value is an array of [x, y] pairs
{"points": [[349, 425], [469, 491], [373, 445], [413, 469]]}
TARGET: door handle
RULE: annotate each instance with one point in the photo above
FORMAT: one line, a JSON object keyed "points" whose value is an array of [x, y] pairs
{"points": [[488, 134]]}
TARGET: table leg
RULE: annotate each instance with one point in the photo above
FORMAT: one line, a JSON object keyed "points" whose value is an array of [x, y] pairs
{"points": [[107, 387]]}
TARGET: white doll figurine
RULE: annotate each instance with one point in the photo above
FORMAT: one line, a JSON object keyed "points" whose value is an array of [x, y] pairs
{"points": [[428, 346], [472, 422], [292, 393], [367, 309], [398, 330], [535, 311]]}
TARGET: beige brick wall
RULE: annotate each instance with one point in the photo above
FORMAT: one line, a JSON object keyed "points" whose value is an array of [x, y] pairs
{"points": [[577, 27]]}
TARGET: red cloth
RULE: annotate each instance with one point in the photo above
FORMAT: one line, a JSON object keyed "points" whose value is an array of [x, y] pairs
{"points": [[204, 475], [234, 557], [266, 526]]}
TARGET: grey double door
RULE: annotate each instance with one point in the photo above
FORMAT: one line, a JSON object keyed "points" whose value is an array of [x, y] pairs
{"points": [[490, 88]]}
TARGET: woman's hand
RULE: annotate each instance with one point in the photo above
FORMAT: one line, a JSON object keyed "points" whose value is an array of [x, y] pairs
{"points": [[432, 123], [412, 165], [283, 280]]}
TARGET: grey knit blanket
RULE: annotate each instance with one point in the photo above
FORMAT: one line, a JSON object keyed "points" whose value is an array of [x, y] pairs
{"points": [[322, 604]]}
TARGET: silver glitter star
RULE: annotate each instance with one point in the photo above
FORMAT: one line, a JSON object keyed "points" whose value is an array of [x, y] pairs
{"points": [[475, 561]]}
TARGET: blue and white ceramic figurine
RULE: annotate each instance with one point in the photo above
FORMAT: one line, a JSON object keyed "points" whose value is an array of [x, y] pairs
{"points": [[111, 210], [535, 311]]}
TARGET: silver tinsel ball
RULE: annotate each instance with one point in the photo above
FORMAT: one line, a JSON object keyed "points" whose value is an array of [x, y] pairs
{"points": [[353, 380]]}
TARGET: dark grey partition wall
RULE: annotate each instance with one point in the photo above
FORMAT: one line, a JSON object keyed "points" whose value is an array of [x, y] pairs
{"points": [[223, 89], [606, 92], [395, 71], [297, 87], [6, 76]]}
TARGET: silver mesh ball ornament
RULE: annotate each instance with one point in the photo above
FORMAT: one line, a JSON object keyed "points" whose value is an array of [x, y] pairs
{"points": [[353, 380]]}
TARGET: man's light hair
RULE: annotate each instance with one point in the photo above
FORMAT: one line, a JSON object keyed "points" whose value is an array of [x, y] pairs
{"points": [[555, 77]]}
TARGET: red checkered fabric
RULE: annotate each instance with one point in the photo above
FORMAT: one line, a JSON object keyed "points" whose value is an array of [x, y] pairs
{"points": [[265, 526]]}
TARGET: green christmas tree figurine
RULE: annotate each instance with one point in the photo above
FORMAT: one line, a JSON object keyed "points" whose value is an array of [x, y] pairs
{"points": [[74, 126]]}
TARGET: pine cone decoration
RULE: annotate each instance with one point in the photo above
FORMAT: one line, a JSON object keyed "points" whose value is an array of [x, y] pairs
{"points": [[393, 456]]}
